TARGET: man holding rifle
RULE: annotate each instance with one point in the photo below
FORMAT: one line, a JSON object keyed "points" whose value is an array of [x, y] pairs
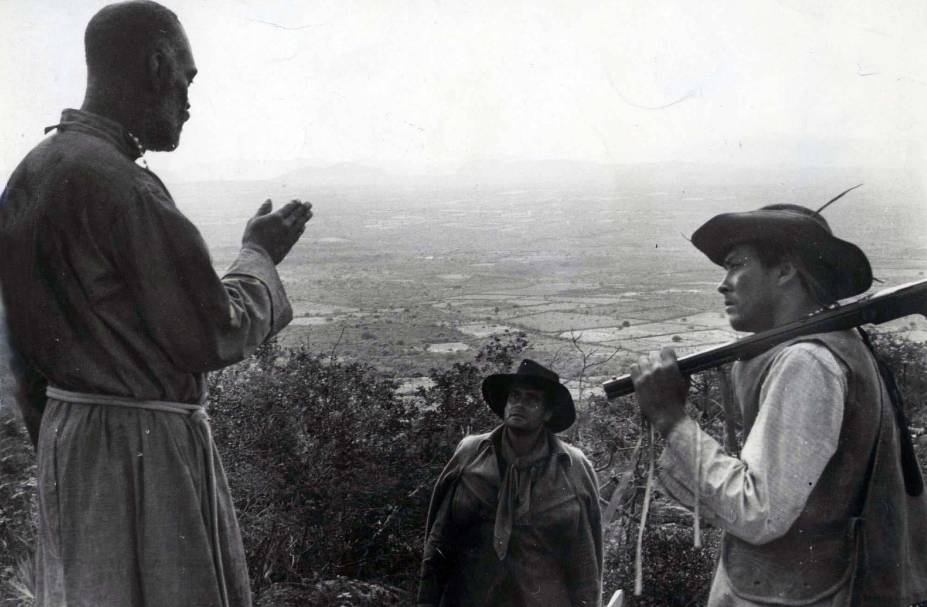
{"points": [[818, 509]]}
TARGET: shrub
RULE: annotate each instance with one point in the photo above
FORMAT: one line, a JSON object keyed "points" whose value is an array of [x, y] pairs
{"points": [[333, 478], [315, 451], [17, 510], [674, 572], [908, 362], [331, 470]]}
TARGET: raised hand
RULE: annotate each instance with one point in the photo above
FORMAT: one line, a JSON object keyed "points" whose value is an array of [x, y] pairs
{"points": [[276, 232]]}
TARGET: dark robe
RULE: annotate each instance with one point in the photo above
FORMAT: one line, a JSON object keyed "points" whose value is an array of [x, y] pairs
{"points": [[109, 290]]}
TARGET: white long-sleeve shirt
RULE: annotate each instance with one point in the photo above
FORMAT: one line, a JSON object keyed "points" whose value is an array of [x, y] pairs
{"points": [[758, 496]]}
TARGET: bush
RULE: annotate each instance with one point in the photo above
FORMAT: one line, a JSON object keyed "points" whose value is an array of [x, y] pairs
{"points": [[674, 572], [334, 478], [908, 362], [331, 470], [316, 453], [17, 510], [332, 473]]}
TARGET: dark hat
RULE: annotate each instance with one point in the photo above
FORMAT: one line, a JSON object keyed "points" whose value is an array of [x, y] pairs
{"points": [[496, 392], [839, 265]]}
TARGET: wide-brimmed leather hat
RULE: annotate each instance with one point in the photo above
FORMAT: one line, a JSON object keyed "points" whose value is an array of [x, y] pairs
{"points": [[839, 265], [496, 392]]}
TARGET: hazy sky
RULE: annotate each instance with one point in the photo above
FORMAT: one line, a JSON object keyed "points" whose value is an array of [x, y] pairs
{"points": [[427, 84]]}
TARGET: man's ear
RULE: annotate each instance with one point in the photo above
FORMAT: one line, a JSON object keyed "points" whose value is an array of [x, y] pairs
{"points": [[548, 413], [787, 271], [158, 69]]}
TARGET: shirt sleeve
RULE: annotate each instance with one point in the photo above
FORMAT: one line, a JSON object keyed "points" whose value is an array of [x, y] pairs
{"points": [[758, 496], [200, 321]]}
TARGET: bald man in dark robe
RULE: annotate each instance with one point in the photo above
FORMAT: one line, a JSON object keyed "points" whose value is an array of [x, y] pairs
{"points": [[115, 314]]}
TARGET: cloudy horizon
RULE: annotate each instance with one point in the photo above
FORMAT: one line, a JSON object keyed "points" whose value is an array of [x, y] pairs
{"points": [[427, 86]]}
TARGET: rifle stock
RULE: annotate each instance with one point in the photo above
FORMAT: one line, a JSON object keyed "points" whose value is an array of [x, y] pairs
{"points": [[880, 307]]}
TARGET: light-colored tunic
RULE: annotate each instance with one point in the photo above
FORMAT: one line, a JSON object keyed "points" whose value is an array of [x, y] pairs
{"points": [[111, 291], [758, 496]]}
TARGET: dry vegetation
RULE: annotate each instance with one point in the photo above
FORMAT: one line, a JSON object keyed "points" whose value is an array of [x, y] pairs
{"points": [[332, 471]]}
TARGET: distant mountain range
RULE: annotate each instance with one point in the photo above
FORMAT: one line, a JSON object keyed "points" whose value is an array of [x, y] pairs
{"points": [[520, 173]]}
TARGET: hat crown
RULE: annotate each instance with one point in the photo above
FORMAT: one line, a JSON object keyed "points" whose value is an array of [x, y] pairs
{"points": [[529, 368], [804, 212]]}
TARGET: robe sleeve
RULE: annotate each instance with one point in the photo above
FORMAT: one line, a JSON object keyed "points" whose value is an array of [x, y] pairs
{"points": [[22, 384], [758, 496], [584, 563], [201, 322]]}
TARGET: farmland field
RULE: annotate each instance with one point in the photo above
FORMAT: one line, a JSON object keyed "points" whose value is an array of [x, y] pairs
{"points": [[412, 275]]}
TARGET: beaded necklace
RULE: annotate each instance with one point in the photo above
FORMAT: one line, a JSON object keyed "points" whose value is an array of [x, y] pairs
{"points": [[139, 147]]}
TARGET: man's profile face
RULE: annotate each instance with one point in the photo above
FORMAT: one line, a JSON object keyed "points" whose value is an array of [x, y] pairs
{"points": [[525, 409], [172, 106], [749, 289]]}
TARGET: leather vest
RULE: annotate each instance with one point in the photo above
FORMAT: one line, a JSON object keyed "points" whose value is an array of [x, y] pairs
{"points": [[856, 525]]}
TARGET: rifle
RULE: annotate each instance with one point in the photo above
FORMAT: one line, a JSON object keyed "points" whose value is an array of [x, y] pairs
{"points": [[877, 308]]}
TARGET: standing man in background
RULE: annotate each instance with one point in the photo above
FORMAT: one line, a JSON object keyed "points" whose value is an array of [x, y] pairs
{"points": [[825, 504], [514, 519], [116, 313]]}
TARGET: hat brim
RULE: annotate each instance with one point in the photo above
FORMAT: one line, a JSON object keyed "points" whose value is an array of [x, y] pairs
{"points": [[496, 388], [842, 264]]}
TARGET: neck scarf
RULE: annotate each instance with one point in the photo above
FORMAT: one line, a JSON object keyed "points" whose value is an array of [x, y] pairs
{"points": [[515, 489]]}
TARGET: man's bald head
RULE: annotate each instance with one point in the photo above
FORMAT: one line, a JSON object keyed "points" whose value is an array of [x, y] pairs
{"points": [[121, 36], [139, 67]]}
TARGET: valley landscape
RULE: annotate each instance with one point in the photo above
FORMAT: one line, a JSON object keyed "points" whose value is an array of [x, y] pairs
{"points": [[410, 275], [490, 181], [591, 262]]}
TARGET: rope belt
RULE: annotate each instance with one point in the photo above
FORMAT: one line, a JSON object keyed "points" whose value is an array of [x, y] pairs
{"points": [[197, 413]]}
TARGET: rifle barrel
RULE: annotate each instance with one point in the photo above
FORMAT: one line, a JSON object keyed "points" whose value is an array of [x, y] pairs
{"points": [[880, 307]]}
